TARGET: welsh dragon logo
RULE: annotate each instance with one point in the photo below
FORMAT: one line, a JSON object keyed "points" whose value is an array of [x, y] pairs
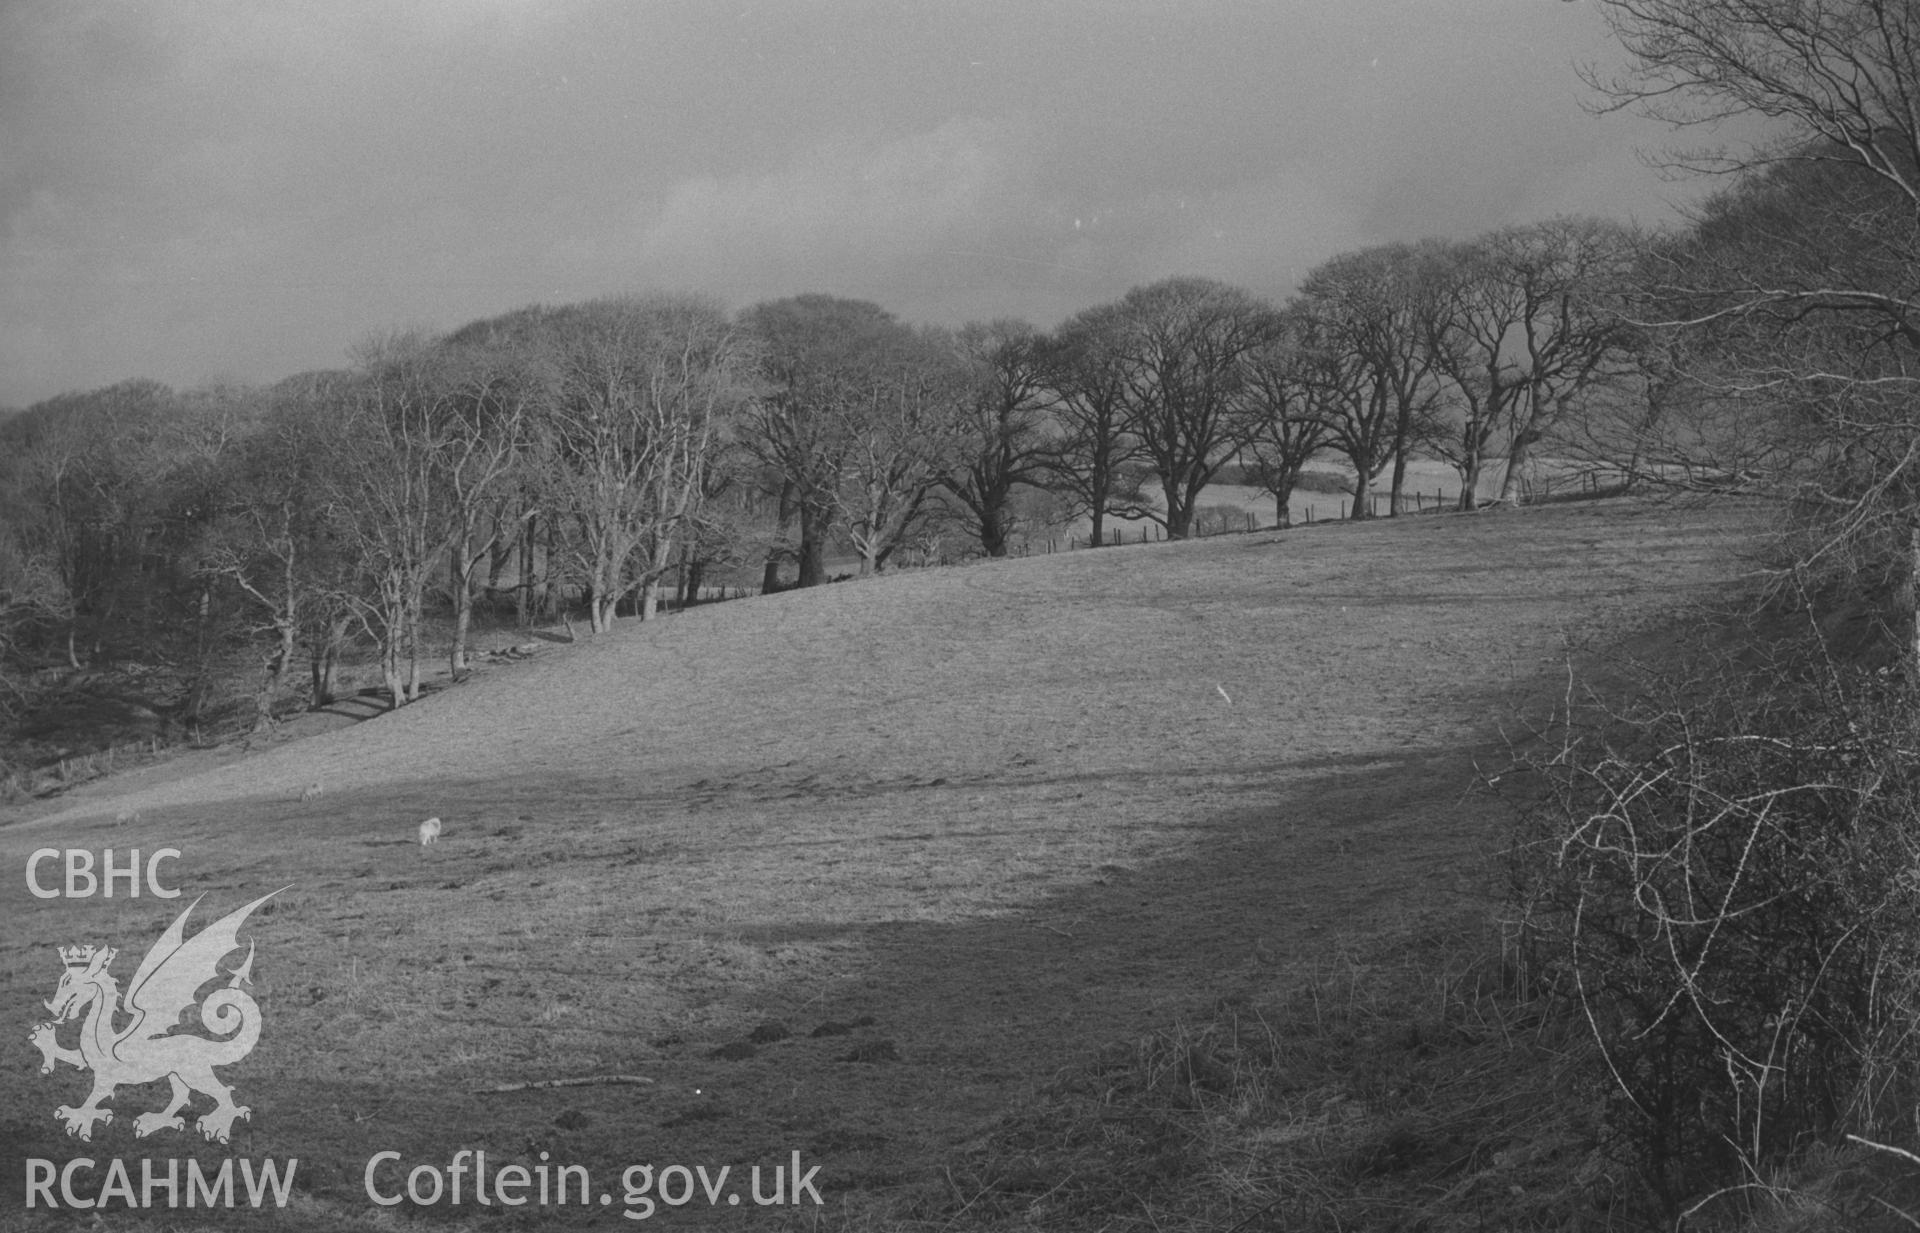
{"points": [[148, 1046]]}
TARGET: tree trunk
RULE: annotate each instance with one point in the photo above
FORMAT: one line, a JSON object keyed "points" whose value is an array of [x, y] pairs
{"points": [[556, 587], [413, 648], [813, 548], [770, 576], [993, 531], [499, 553], [390, 673], [1525, 434], [1283, 502], [1517, 459], [1179, 506], [277, 665], [600, 612], [461, 568], [1469, 472], [324, 664], [1397, 492], [523, 594], [656, 570], [603, 601]]}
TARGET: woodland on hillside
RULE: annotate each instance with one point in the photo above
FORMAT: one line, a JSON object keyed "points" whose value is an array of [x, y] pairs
{"points": [[604, 457]]}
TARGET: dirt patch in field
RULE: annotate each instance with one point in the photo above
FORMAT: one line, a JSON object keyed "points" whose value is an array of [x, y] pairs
{"points": [[849, 872]]}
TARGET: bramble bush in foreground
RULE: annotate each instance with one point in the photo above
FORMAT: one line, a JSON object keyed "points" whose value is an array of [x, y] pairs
{"points": [[1723, 876]]}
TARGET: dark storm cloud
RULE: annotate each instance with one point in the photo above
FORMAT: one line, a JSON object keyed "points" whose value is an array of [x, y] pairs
{"points": [[190, 191]]}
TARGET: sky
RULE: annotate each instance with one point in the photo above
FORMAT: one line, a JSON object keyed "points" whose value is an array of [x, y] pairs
{"points": [[202, 190]]}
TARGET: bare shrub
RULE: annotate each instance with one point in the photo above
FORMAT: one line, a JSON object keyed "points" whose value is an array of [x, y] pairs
{"points": [[1724, 876]]}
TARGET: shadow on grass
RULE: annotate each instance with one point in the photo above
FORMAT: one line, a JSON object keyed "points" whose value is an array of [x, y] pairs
{"points": [[972, 1028]]}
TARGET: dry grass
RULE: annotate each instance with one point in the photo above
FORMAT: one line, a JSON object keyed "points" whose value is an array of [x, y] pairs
{"points": [[1002, 814], [1404, 1088]]}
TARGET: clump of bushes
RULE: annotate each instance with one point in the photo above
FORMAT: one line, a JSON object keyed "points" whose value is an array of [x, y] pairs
{"points": [[1724, 878], [1218, 520], [1324, 481]]}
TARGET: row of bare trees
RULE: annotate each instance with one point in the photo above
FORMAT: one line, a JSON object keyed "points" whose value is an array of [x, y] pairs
{"points": [[1475, 352], [600, 455], [343, 506]]}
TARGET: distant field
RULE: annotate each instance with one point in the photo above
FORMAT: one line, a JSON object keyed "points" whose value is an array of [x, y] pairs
{"points": [[1430, 484], [997, 816]]}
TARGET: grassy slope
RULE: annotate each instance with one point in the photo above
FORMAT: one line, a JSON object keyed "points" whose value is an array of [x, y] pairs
{"points": [[1002, 810]]}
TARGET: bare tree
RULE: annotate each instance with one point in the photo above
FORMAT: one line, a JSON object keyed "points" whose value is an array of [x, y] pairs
{"points": [[1837, 78], [1182, 346], [726, 525], [482, 446], [383, 481], [273, 540], [1800, 277], [1665, 415], [1365, 334], [1002, 442], [1285, 423], [83, 468], [1527, 322], [1569, 278], [1470, 340], [904, 436], [1094, 462], [643, 385], [824, 363]]}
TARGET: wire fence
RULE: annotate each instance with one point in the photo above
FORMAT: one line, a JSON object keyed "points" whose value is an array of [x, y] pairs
{"points": [[1211, 521]]}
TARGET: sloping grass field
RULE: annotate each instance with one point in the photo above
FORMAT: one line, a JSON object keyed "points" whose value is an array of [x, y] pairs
{"points": [[849, 873]]}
